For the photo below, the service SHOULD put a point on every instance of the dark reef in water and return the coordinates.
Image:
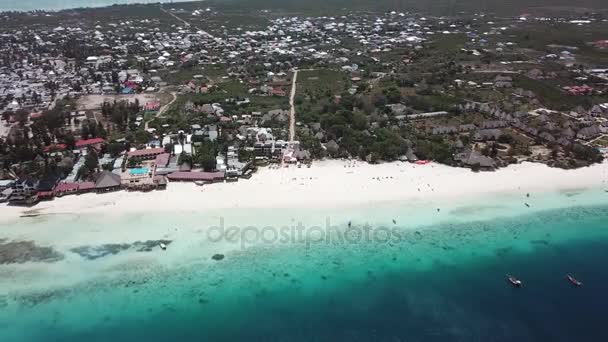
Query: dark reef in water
(17, 252)
(3, 302)
(96, 252)
(41, 297)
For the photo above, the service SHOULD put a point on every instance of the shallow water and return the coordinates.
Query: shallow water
(442, 279)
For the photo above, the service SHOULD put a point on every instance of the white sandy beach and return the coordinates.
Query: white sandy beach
(329, 184)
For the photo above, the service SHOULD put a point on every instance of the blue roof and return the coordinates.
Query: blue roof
(127, 90)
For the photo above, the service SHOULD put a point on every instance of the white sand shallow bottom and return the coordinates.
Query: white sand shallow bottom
(303, 191)
(329, 184)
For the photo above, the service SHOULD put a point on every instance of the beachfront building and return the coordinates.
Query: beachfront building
(235, 168)
(160, 182)
(107, 181)
(63, 189)
(6, 184)
(139, 178)
(85, 187)
(24, 192)
(5, 195)
(192, 176)
(270, 149)
(475, 160)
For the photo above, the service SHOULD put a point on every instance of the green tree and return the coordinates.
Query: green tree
(393, 95)
(184, 158)
(115, 148)
(91, 161)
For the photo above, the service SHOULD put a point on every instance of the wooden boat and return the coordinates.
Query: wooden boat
(514, 281)
(573, 280)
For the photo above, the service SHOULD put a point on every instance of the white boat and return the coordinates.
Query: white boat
(163, 246)
(514, 281)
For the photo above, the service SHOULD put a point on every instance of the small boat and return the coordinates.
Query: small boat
(199, 183)
(527, 205)
(162, 246)
(394, 221)
(349, 224)
(573, 280)
(514, 281)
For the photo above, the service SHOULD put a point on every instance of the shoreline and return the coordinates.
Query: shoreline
(118, 225)
(328, 184)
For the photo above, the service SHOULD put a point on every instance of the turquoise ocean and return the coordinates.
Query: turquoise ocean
(32, 5)
(430, 276)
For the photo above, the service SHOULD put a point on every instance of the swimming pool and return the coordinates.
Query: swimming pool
(139, 171)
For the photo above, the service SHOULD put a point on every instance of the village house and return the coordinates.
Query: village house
(589, 133)
(501, 81)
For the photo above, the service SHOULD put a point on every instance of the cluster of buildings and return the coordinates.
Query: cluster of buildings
(125, 56)
(551, 126)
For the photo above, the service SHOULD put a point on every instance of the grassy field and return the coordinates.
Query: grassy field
(540, 36)
(233, 88)
(321, 81)
(448, 42)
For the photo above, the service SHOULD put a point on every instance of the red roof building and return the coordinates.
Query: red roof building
(579, 90)
(45, 195)
(152, 106)
(278, 92)
(162, 159)
(601, 44)
(147, 153)
(55, 147)
(66, 188)
(86, 186)
(196, 176)
(89, 142)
